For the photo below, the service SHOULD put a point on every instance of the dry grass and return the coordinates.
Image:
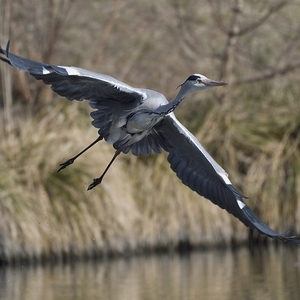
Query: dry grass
(44, 212)
(252, 129)
(140, 205)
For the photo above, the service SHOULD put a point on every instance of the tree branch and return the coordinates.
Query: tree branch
(272, 10)
(268, 74)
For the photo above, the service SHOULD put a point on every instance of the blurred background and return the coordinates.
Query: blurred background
(251, 127)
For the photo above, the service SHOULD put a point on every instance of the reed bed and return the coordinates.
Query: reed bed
(45, 213)
(250, 127)
(141, 205)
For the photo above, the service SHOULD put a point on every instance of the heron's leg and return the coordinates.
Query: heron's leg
(72, 159)
(98, 180)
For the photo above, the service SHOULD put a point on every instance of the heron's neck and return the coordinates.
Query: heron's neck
(171, 106)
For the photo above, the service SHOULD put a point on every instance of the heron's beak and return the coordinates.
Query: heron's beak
(210, 82)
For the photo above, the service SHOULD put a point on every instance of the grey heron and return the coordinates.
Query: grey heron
(141, 121)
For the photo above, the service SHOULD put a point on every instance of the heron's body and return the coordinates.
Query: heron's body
(136, 123)
(142, 121)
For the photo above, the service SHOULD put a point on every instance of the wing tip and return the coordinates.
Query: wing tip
(292, 238)
(289, 238)
(7, 48)
(6, 53)
(256, 223)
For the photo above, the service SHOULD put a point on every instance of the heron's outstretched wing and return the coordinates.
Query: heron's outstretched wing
(111, 98)
(76, 83)
(198, 170)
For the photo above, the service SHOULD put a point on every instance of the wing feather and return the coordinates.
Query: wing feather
(111, 98)
(76, 83)
(198, 170)
(144, 146)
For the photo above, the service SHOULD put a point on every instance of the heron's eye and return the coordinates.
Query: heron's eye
(198, 80)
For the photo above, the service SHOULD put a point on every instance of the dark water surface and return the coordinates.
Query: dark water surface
(263, 273)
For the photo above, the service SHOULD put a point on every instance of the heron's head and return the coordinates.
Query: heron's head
(198, 82)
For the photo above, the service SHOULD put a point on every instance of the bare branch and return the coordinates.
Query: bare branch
(231, 40)
(105, 33)
(268, 74)
(216, 15)
(272, 10)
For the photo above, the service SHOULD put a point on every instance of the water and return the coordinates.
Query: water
(269, 273)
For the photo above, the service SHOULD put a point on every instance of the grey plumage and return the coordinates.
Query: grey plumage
(142, 121)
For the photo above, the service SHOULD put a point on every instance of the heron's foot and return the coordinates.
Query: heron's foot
(66, 163)
(95, 182)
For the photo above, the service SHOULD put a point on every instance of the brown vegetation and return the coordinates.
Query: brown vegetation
(251, 127)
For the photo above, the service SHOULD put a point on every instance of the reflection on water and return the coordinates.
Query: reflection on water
(213, 274)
